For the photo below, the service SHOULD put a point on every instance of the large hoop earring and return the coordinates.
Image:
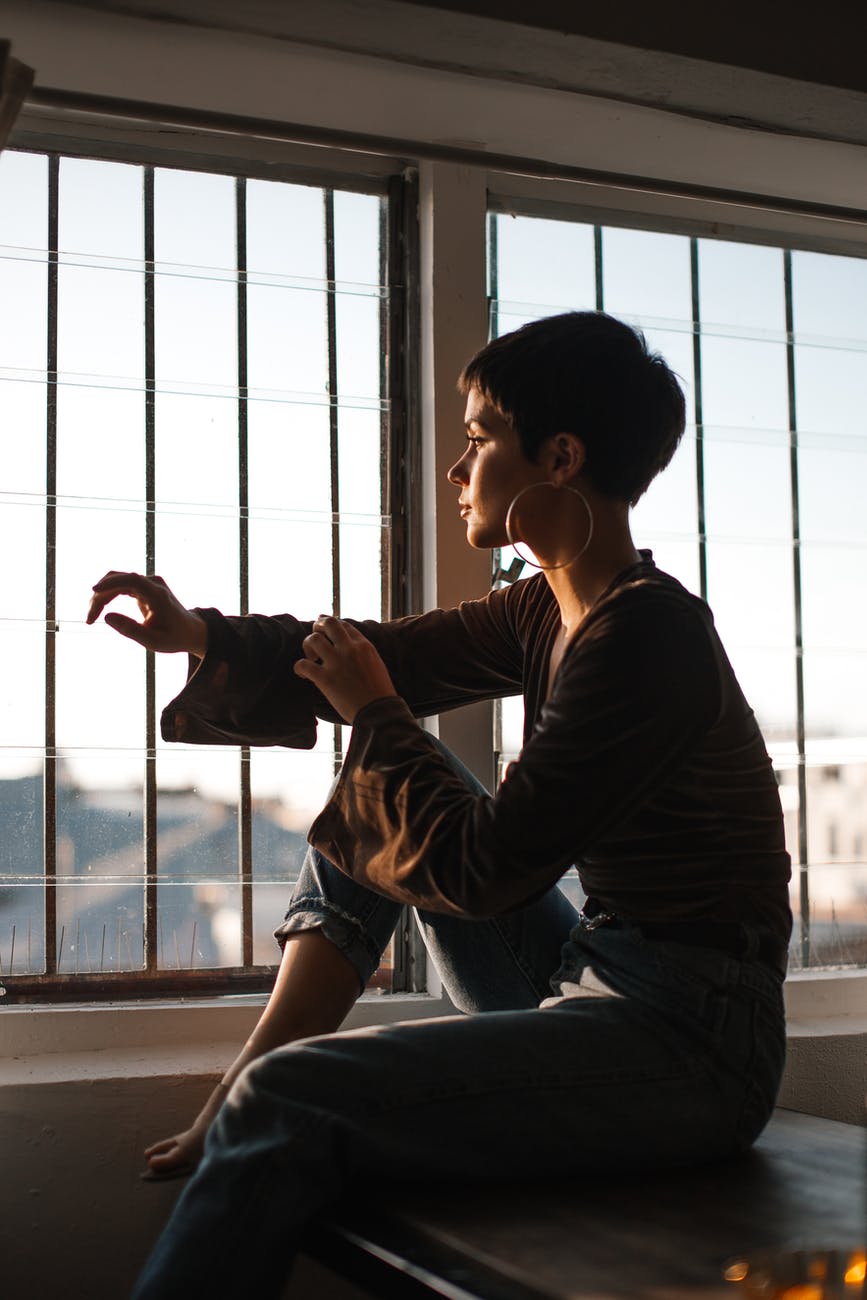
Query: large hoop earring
(516, 542)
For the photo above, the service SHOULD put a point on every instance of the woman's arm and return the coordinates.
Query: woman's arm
(246, 690)
(637, 689)
(242, 689)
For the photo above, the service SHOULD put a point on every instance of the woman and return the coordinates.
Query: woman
(646, 1031)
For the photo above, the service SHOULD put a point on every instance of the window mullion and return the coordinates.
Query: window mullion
(331, 308)
(151, 954)
(698, 417)
(803, 855)
(598, 268)
(52, 957)
(245, 807)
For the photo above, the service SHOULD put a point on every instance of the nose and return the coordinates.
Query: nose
(458, 473)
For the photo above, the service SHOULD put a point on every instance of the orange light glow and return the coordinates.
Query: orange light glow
(857, 1270)
(737, 1271)
(807, 1291)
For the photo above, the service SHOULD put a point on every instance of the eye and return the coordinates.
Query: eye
(474, 440)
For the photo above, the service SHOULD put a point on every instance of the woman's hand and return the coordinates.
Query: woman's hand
(166, 625)
(344, 666)
(176, 1155)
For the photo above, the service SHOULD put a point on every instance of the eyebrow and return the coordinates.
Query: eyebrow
(475, 420)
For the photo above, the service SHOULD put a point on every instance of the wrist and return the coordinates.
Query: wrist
(197, 638)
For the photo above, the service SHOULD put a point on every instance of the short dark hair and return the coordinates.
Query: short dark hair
(585, 373)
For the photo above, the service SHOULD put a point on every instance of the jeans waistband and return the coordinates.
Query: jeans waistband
(731, 937)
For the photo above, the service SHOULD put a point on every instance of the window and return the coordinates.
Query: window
(761, 510)
(195, 381)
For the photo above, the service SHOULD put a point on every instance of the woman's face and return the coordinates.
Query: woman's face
(491, 472)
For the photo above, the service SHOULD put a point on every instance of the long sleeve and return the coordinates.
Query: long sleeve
(638, 687)
(245, 691)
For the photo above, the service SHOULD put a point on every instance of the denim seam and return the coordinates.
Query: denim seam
(693, 1068)
(523, 967)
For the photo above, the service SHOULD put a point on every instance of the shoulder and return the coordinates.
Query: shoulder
(651, 636)
(657, 602)
(527, 603)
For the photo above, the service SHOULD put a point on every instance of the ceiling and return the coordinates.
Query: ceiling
(819, 42)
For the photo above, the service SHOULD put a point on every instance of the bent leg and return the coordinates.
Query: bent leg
(596, 1084)
(501, 964)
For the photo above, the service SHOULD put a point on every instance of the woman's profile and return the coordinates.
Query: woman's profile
(645, 1031)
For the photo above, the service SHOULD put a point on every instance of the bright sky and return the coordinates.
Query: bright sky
(100, 685)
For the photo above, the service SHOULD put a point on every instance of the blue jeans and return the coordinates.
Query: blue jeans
(681, 1065)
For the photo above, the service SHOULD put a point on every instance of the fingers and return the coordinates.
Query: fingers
(337, 630)
(127, 627)
(328, 633)
(161, 1148)
(116, 583)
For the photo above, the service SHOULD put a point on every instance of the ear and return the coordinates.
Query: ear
(565, 456)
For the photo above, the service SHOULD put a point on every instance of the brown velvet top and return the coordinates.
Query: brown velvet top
(645, 766)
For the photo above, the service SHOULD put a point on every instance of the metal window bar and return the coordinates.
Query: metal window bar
(493, 276)
(151, 899)
(333, 418)
(399, 254)
(245, 798)
(803, 865)
(698, 418)
(49, 799)
(598, 270)
(400, 456)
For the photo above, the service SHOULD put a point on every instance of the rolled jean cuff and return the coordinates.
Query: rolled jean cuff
(340, 928)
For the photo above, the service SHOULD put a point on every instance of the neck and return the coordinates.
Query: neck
(579, 585)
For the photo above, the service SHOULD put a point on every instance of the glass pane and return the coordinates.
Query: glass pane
(100, 676)
(666, 517)
(357, 302)
(547, 265)
(829, 296)
(290, 564)
(194, 287)
(21, 900)
(741, 286)
(646, 276)
(100, 862)
(100, 318)
(199, 920)
(837, 837)
(361, 535)
(23, 277)
(286, 232)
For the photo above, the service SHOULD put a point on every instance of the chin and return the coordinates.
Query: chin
(484, 537)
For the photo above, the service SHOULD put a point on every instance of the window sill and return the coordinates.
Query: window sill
(144, 1046)
(148, 1040)
(814, 997)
